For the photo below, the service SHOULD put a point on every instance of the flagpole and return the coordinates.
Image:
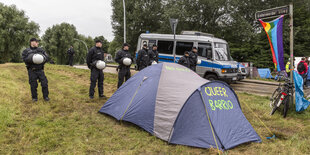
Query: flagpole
(291, 49)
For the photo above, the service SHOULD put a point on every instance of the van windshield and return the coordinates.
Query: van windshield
(221, 52)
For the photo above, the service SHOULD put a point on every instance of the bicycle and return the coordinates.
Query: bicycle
(281, 96)
(281, 76)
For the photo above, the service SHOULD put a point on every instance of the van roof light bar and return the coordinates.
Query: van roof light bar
(196, 33)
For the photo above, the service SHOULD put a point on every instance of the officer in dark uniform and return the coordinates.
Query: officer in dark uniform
(36, 71)
(143, 58)
(193, 55)
(185, 60)
(95, 54)
(70, 53)
(153, 54)
(123, 70)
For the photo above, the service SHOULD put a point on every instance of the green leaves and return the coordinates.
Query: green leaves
(232, 20)
(58, 39)
(15, 32)
(141, 16)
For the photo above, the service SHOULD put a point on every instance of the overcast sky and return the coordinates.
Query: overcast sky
(90, 17)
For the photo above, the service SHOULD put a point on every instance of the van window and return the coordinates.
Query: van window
(205, 50)
(151, 43)
(165, 47)
(183, 46)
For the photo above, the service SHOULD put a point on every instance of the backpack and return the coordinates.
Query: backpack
(301, 67)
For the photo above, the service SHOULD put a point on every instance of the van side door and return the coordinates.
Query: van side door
(165, 50)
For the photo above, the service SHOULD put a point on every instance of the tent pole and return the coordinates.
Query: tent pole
(203, 101)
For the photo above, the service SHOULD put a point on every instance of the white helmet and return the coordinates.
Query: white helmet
(127, 61)
(154, 63)
(198, 61)
(37, 59)
(100, 64)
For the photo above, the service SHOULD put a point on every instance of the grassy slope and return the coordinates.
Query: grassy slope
(70, 123)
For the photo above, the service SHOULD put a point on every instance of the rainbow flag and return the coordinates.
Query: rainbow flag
(274, 33)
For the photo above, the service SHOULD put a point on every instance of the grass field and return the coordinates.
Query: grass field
(70, 122)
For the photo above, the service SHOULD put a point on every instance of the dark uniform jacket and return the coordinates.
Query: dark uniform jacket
(94, 54)
(193, 60)
(27, 58)
(185, 61)
(143, 59)
(70, 52)
(120, 55)
(153, 56)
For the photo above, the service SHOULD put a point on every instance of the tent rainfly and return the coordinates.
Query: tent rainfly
(178, 106)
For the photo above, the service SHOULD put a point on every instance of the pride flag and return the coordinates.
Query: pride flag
(274, 33)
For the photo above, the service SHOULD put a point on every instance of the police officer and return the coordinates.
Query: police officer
(123, 70)
(185, 60)
(95, 54)
(143, 58)
(36, 71)
(193, 55)
(153, 54)
(70, 53)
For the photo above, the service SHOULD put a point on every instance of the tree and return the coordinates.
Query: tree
(57, 41)
(114, 47)
(15, 32)
(248, 39)
(232, 20)
(141, 16)
(81, 49)
(301, 28)
(196, 15)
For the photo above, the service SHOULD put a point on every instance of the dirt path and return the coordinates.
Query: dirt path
(256, 87)
(106, 70)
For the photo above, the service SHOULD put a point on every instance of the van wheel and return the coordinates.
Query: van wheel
(211, 77)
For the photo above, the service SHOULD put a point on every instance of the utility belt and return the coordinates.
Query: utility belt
(35, 68)
(144, 63)
(119, 67)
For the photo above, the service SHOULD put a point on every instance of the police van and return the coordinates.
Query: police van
(216, 61)
(242, 72)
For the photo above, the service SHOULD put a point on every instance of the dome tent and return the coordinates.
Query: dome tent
(176, 105)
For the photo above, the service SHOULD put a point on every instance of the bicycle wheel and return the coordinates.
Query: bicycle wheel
(286, 106)
(275, 95)
(273, 110)
(275, 105)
